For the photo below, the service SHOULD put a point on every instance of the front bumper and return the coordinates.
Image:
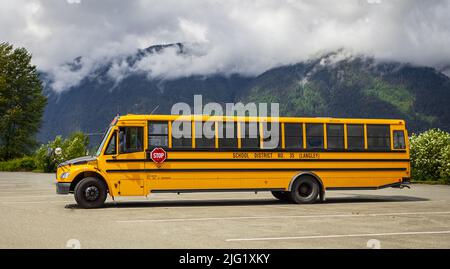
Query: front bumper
(62, 188)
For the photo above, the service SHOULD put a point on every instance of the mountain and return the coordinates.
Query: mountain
(333, 85)
(357, 87)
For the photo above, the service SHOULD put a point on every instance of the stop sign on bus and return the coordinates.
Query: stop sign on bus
(158, 155)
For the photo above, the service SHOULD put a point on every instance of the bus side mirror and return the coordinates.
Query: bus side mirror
(58, 151)
(50, 151)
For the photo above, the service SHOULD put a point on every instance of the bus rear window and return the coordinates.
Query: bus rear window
(399, 140)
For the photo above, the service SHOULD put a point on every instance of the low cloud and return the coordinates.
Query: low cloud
(233, 36)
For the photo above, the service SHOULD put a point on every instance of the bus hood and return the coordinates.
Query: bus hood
(80, 160)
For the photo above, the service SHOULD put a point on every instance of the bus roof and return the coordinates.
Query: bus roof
(133, 117)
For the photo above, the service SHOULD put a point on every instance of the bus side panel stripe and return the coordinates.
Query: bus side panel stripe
(263, 160)
(253, 170)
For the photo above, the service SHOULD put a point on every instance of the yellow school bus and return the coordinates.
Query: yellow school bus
(140, 155)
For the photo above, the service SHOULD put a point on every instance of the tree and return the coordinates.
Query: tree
(21, 102)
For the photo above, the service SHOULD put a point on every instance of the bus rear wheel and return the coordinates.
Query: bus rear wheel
(281, 195)
(90, 192)
(305, 190)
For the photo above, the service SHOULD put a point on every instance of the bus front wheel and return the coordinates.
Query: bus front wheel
(281, 195)
(305, 190)
(90, 192)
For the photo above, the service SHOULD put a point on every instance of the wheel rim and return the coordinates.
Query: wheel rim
(305, 190)
(92, 193)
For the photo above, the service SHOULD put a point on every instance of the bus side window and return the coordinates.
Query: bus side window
(131, 139)
(335, 136)
(355, 136)
(314, 136)
(293, 135)
(205, 135)
(111, 149)
(157, 134)
(271, 135)
(228, 135)
(399, 140)
(378, 137)
(250, 135)
(181, 135)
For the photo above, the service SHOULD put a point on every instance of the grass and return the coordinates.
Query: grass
(430, 182)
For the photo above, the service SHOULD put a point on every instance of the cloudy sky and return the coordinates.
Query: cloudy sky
(229, 36)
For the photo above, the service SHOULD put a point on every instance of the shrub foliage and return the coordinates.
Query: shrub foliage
(430, 156)
(21, 164)
(74, 146)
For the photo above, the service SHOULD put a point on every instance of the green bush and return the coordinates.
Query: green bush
(430, 156)
(74, 146)
(22, 164)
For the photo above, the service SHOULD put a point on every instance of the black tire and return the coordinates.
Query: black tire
(281, 195)
(90, 192)
(305, 190)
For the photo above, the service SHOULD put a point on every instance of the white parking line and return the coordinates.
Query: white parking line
(32, 202)
(32, 191)
(295, 206)
(335, 236)
(285, 217)
(32, 196)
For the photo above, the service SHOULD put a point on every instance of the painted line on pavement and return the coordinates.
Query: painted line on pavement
(335, 236)
(286, 217)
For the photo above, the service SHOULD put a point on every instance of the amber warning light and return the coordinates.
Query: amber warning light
(114, 121)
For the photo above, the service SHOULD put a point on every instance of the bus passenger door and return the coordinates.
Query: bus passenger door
(158, 137)
(126, 168)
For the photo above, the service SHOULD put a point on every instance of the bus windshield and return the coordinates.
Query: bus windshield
(105, 136)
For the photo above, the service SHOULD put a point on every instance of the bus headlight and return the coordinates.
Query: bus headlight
(65, 175)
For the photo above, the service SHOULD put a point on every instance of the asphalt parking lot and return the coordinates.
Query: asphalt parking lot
(33, 216)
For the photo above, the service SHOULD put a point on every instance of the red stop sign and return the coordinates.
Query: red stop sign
(158, 155)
